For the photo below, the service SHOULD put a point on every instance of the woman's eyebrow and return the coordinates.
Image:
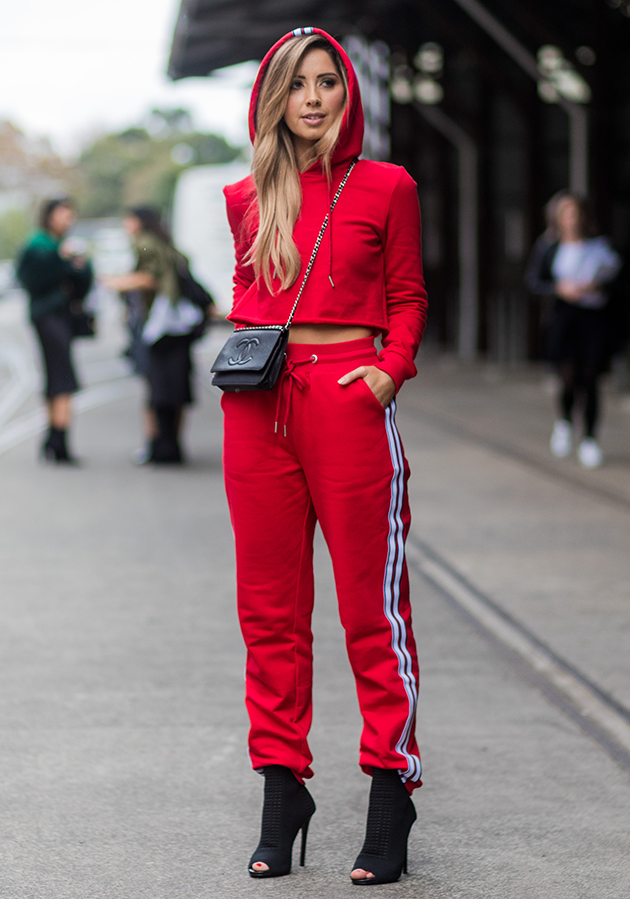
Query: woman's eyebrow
(321, 75)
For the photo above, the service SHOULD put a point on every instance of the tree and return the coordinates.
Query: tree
(14, 227)
(163, 122)
(29, 171)
(134, 166)
(141, 166)
(29, 165)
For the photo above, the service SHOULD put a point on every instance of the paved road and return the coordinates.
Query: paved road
(123, 769)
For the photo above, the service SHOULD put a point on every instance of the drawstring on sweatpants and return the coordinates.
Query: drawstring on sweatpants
(290, 376)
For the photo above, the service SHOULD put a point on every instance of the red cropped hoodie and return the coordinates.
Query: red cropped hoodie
(372, 252)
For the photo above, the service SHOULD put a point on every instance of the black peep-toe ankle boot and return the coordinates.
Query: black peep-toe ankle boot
(287, 809)
(391, 814)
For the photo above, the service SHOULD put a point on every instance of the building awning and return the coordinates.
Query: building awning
(211, 34)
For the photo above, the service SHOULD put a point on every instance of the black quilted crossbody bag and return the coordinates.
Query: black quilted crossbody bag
(251, 358)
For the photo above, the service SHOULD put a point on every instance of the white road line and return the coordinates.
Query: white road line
(581, 697)
(22, 379)
(35, 422)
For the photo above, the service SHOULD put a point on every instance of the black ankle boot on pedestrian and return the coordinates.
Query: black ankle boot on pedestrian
(390, 816)
(287, 809)
(55, 447)
(165, 448)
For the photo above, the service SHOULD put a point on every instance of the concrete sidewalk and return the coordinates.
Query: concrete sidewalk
(547, 539)
(123, 769)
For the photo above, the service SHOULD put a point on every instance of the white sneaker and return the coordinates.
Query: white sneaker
(141, 456)
(589, 453)
(561, 438)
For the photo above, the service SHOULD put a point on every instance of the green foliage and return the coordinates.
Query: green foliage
(170, 121)
(137, 166)
(14, 229)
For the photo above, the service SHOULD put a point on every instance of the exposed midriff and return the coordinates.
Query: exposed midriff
(327, 333)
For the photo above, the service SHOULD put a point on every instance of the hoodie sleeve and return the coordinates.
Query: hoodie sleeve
(244, 275)
(405, 292)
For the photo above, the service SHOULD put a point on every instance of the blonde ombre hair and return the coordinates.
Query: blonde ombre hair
(274, 164)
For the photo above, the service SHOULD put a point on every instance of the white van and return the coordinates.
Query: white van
(200, 226)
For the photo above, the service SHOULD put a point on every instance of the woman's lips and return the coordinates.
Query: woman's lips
(313, 119)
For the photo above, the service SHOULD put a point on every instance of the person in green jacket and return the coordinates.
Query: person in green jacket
(54, 278)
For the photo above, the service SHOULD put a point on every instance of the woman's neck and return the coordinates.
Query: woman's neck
(303, 150)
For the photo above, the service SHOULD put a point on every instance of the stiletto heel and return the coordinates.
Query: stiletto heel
(391, 814)
(303, 846)
(288, 808)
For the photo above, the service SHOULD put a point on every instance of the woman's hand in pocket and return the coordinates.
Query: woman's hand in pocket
(380, 383)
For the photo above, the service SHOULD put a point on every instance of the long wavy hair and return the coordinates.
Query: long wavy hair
(274, 164)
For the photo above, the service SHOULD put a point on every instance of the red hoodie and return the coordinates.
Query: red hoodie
(372, 251)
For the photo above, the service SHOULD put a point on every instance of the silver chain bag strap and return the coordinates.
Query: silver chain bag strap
(251, 358)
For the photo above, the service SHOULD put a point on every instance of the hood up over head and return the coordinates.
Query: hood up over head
(350, 140)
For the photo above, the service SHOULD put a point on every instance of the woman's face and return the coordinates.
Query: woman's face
(132, 224)
(569, 220)
(316, 98)
(60, 221)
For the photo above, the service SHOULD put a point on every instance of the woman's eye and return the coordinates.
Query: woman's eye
(296, 85)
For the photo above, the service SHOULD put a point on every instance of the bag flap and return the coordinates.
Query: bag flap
(248, 349)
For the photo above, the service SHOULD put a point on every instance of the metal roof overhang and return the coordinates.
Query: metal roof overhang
(211, 34)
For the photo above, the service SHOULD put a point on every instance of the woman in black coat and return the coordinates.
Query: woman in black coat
(165, 323)
(54, 279)
(575, 266)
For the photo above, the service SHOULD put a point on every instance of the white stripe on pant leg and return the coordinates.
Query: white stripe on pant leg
(391, 591)
(399, 632)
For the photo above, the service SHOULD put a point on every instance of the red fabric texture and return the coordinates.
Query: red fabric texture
(341, 463)
(373, 249)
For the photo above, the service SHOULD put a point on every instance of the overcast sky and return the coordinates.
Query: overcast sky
(70, 68)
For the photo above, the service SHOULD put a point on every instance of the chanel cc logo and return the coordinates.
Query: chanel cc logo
(244, 346)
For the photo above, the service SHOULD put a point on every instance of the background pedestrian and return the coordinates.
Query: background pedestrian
(56, 279)
(577, 269)
(163, 328)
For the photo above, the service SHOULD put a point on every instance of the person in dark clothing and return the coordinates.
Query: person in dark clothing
(575, 267)
(164, 326)
(533, 273)
(54, 279)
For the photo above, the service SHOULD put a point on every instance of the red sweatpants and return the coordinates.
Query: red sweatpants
(311, 450)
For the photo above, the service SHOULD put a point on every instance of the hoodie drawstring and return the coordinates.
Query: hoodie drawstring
(290, 377)
(330, 234)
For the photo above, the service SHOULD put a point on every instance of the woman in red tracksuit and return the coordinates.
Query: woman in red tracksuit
(323, 444)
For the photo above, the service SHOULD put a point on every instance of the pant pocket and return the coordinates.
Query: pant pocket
(365, 388)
